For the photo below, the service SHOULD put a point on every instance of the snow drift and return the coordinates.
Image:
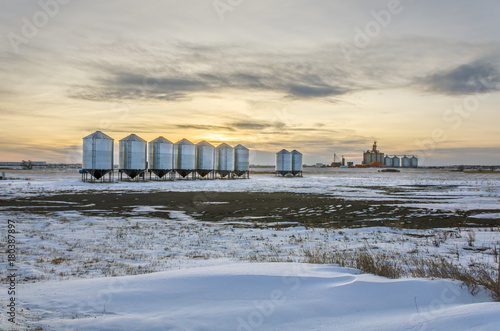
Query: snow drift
(258, 296)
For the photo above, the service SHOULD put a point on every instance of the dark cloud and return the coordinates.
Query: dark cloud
(203, 127)
(310, 91)
(191, 69)
(185, 69)
(259, 127)
(263, 128)
(247, 80)
(125, 85)
(478, 77)
(160, 83)
(256, 125)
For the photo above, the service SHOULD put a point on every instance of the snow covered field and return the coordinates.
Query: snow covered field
(434, 188)
(138, 270)
(68, 245)
(254, 296)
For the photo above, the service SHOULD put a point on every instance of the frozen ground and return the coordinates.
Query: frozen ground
(430, 188)
(68, 245)
(254, 296)
(82, 269)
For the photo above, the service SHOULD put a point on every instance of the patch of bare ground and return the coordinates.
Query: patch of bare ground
(310, 210)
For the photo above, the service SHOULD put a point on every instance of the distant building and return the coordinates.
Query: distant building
(370, 157)
(337, 162)
(24, 164)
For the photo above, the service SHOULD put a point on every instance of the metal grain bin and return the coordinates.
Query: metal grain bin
(133, 153)
(241, 160)
(414, 162)
(204, 158)
(283, 162)
(161, 156)
(184, 157)
(296, 162)
(97, 155)
(396, 162)
(224, 160)
(406, 162)
(388, 161)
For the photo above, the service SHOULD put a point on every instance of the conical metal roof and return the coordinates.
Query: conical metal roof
(161, 139)
(184, 142)
(240, 146)
(204, 143)
(283, 151)
(224, 146)
(296, 152)
(98, 135)
(132, 137)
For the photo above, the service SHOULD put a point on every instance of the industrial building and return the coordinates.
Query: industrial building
(396, 162)
(205, 159)
(388, 161)
(296, 163)
(288, 163)
(241, 161)
(133, 157)
(283, 163)
(337, 163)
(414, 162)
(224, 161)
(373, 158)
(97, 158)
(185, 158)
(404, 162)
(164, 161)
(161, 156)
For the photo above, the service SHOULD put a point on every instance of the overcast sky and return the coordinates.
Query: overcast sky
(420, 77)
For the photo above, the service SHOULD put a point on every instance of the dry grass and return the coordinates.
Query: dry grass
(378, 264)
(58, 260)
(397, 266)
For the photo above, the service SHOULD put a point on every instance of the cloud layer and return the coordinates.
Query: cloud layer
(271, 73)
(476, 77)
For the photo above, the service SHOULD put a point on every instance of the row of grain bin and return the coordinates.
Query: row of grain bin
(288, 163)
(166, 159)
(97, 158)
(405, 162)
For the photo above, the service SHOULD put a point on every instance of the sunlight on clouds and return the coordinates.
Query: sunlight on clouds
(266, 83)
